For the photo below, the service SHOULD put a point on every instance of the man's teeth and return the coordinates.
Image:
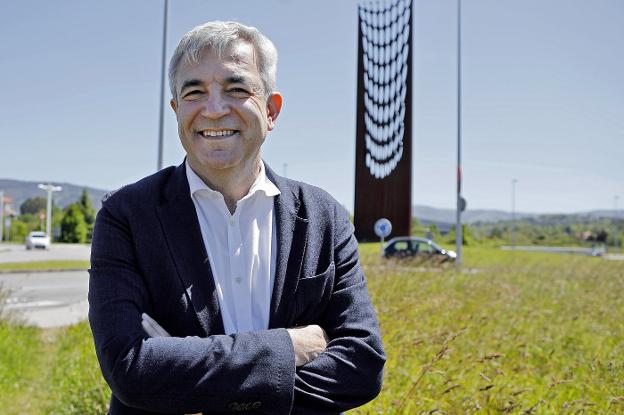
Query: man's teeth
(222, 133)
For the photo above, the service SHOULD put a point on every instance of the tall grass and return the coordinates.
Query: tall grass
(515, 333)
(20, 353)
(512, 333)
(75, 385)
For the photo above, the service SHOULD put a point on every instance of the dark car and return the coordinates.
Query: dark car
(411, 246)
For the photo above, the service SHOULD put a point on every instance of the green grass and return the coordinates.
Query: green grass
(20, 361)
(52, 371)
(514, 333)
(43, 266)
(75, 385)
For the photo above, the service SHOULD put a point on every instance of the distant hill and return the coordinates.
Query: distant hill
(445, 218)
(429, 215)
(19, 191)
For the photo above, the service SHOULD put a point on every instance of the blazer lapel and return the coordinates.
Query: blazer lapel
(181, 228)
(292, 235)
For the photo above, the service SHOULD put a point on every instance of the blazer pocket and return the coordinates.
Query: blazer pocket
(312, 295)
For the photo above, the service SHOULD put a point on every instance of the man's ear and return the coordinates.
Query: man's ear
(274, 106)
(174, 105)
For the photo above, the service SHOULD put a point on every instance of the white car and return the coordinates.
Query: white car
(37, 240)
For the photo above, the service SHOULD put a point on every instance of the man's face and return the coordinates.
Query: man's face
(222, 112)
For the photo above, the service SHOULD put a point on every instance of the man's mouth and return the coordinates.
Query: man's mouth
(217, 133)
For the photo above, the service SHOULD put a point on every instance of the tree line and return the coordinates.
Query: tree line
(72, 224)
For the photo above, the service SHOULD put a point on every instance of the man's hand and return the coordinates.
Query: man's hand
(152, 328)
(308, 342)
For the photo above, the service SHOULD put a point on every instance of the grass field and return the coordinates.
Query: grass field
(43, 266)
(514, 332)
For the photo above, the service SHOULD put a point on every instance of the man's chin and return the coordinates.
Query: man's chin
(215, 163)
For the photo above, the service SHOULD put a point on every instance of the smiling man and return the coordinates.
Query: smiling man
(218, 286)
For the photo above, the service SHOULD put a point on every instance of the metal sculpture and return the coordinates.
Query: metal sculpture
(384, 107)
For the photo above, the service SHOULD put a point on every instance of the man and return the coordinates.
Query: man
(219, 286)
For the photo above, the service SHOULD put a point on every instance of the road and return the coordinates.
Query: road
(47, 299)
(19, 253)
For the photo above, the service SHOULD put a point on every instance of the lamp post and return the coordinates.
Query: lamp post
(460, 203)
(616, 241)
(50, 189)
(1, 215)
(161, 118)
(513, 213)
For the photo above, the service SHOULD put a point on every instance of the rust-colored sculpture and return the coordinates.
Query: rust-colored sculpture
(383, 171)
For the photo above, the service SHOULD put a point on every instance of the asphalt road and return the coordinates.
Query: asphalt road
(19, 253)
(47, 299)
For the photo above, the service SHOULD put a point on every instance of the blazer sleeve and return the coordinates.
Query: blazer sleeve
(349, 372)
(253, 371)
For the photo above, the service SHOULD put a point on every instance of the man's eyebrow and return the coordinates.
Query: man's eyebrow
(191, 82)
(236, 79)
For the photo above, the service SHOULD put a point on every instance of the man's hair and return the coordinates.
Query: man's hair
(218, 37)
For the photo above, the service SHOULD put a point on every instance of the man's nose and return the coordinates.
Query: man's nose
(215, 107)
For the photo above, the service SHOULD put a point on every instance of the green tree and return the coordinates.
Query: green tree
(86, 207)
(73, 225)
(18, 231)
(33, 205)
(467, 238)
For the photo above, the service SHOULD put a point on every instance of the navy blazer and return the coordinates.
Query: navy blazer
(148, 256)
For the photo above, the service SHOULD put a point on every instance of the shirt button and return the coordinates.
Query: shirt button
(232, 222)
(238, 280)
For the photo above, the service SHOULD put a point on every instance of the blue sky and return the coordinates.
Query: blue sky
(543, 95)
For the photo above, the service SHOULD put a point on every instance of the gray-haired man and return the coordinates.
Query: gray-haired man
(217, 285)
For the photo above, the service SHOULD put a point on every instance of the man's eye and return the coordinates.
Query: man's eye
(191, 94)
(238, 91)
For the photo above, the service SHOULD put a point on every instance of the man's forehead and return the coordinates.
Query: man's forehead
(239, 57)
(239, 53)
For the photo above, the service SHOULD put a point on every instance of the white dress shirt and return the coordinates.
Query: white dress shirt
(241, 248)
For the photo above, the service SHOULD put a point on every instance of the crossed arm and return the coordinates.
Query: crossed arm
(308, 341)
(291, 370)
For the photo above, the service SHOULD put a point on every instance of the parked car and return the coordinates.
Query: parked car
(37, 240)
(410, 246)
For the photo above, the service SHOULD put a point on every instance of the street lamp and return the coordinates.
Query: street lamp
(1, 215)
(513, 212)
(616, 241)
(161, 112)
(461, 203)
(50, 189)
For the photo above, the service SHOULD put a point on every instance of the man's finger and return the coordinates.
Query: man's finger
(161, 332)
(152, 328)
(148, 329)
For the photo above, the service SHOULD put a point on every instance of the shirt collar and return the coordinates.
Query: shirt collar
(261, 184)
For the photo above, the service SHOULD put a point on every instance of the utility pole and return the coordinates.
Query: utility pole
(50, 189)
(460, 202)
(615, 218)
(1, 215)
(161, 118)
(513, 213)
